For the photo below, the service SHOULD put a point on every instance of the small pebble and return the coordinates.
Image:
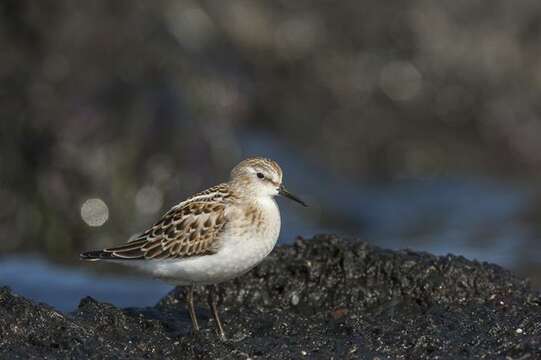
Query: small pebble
(295, 299)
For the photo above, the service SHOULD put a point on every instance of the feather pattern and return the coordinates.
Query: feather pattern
(191, 228)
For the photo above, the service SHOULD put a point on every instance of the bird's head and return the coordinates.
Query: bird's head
(260, 177)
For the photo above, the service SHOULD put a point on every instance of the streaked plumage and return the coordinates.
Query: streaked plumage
(188, 229)
(213, 236)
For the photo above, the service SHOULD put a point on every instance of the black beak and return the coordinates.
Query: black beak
(283, 191)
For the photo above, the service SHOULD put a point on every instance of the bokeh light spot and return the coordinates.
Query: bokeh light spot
(149, 200)
(94, 212)
(400, 80)
(190, 24)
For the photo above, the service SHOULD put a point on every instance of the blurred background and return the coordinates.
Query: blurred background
(408, 124)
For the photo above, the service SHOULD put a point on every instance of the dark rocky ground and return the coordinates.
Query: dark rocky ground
(321, 298)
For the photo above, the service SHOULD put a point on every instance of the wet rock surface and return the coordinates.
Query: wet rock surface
(320, 298)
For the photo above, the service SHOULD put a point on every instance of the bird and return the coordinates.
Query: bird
(213, 236)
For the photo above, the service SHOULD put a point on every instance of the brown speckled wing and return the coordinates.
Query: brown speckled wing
(192, 228)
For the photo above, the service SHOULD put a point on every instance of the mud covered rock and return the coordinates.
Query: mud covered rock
(320, 298)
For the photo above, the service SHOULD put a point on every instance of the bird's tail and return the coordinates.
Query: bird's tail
(96, 255)
(133, 250)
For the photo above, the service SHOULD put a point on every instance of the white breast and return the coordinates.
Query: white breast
(244, 245)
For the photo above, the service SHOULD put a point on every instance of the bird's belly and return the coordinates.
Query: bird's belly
(232, 260)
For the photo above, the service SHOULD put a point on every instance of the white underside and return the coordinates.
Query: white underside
(238, 254)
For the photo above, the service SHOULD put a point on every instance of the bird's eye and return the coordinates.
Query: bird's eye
(260, 175)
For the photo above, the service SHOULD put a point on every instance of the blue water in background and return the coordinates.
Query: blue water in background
(63, 287)
(478, 218)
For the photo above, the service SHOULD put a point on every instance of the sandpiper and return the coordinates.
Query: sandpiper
(213, 236)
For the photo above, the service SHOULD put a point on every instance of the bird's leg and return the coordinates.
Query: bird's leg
(213, 304)
(191, 310)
